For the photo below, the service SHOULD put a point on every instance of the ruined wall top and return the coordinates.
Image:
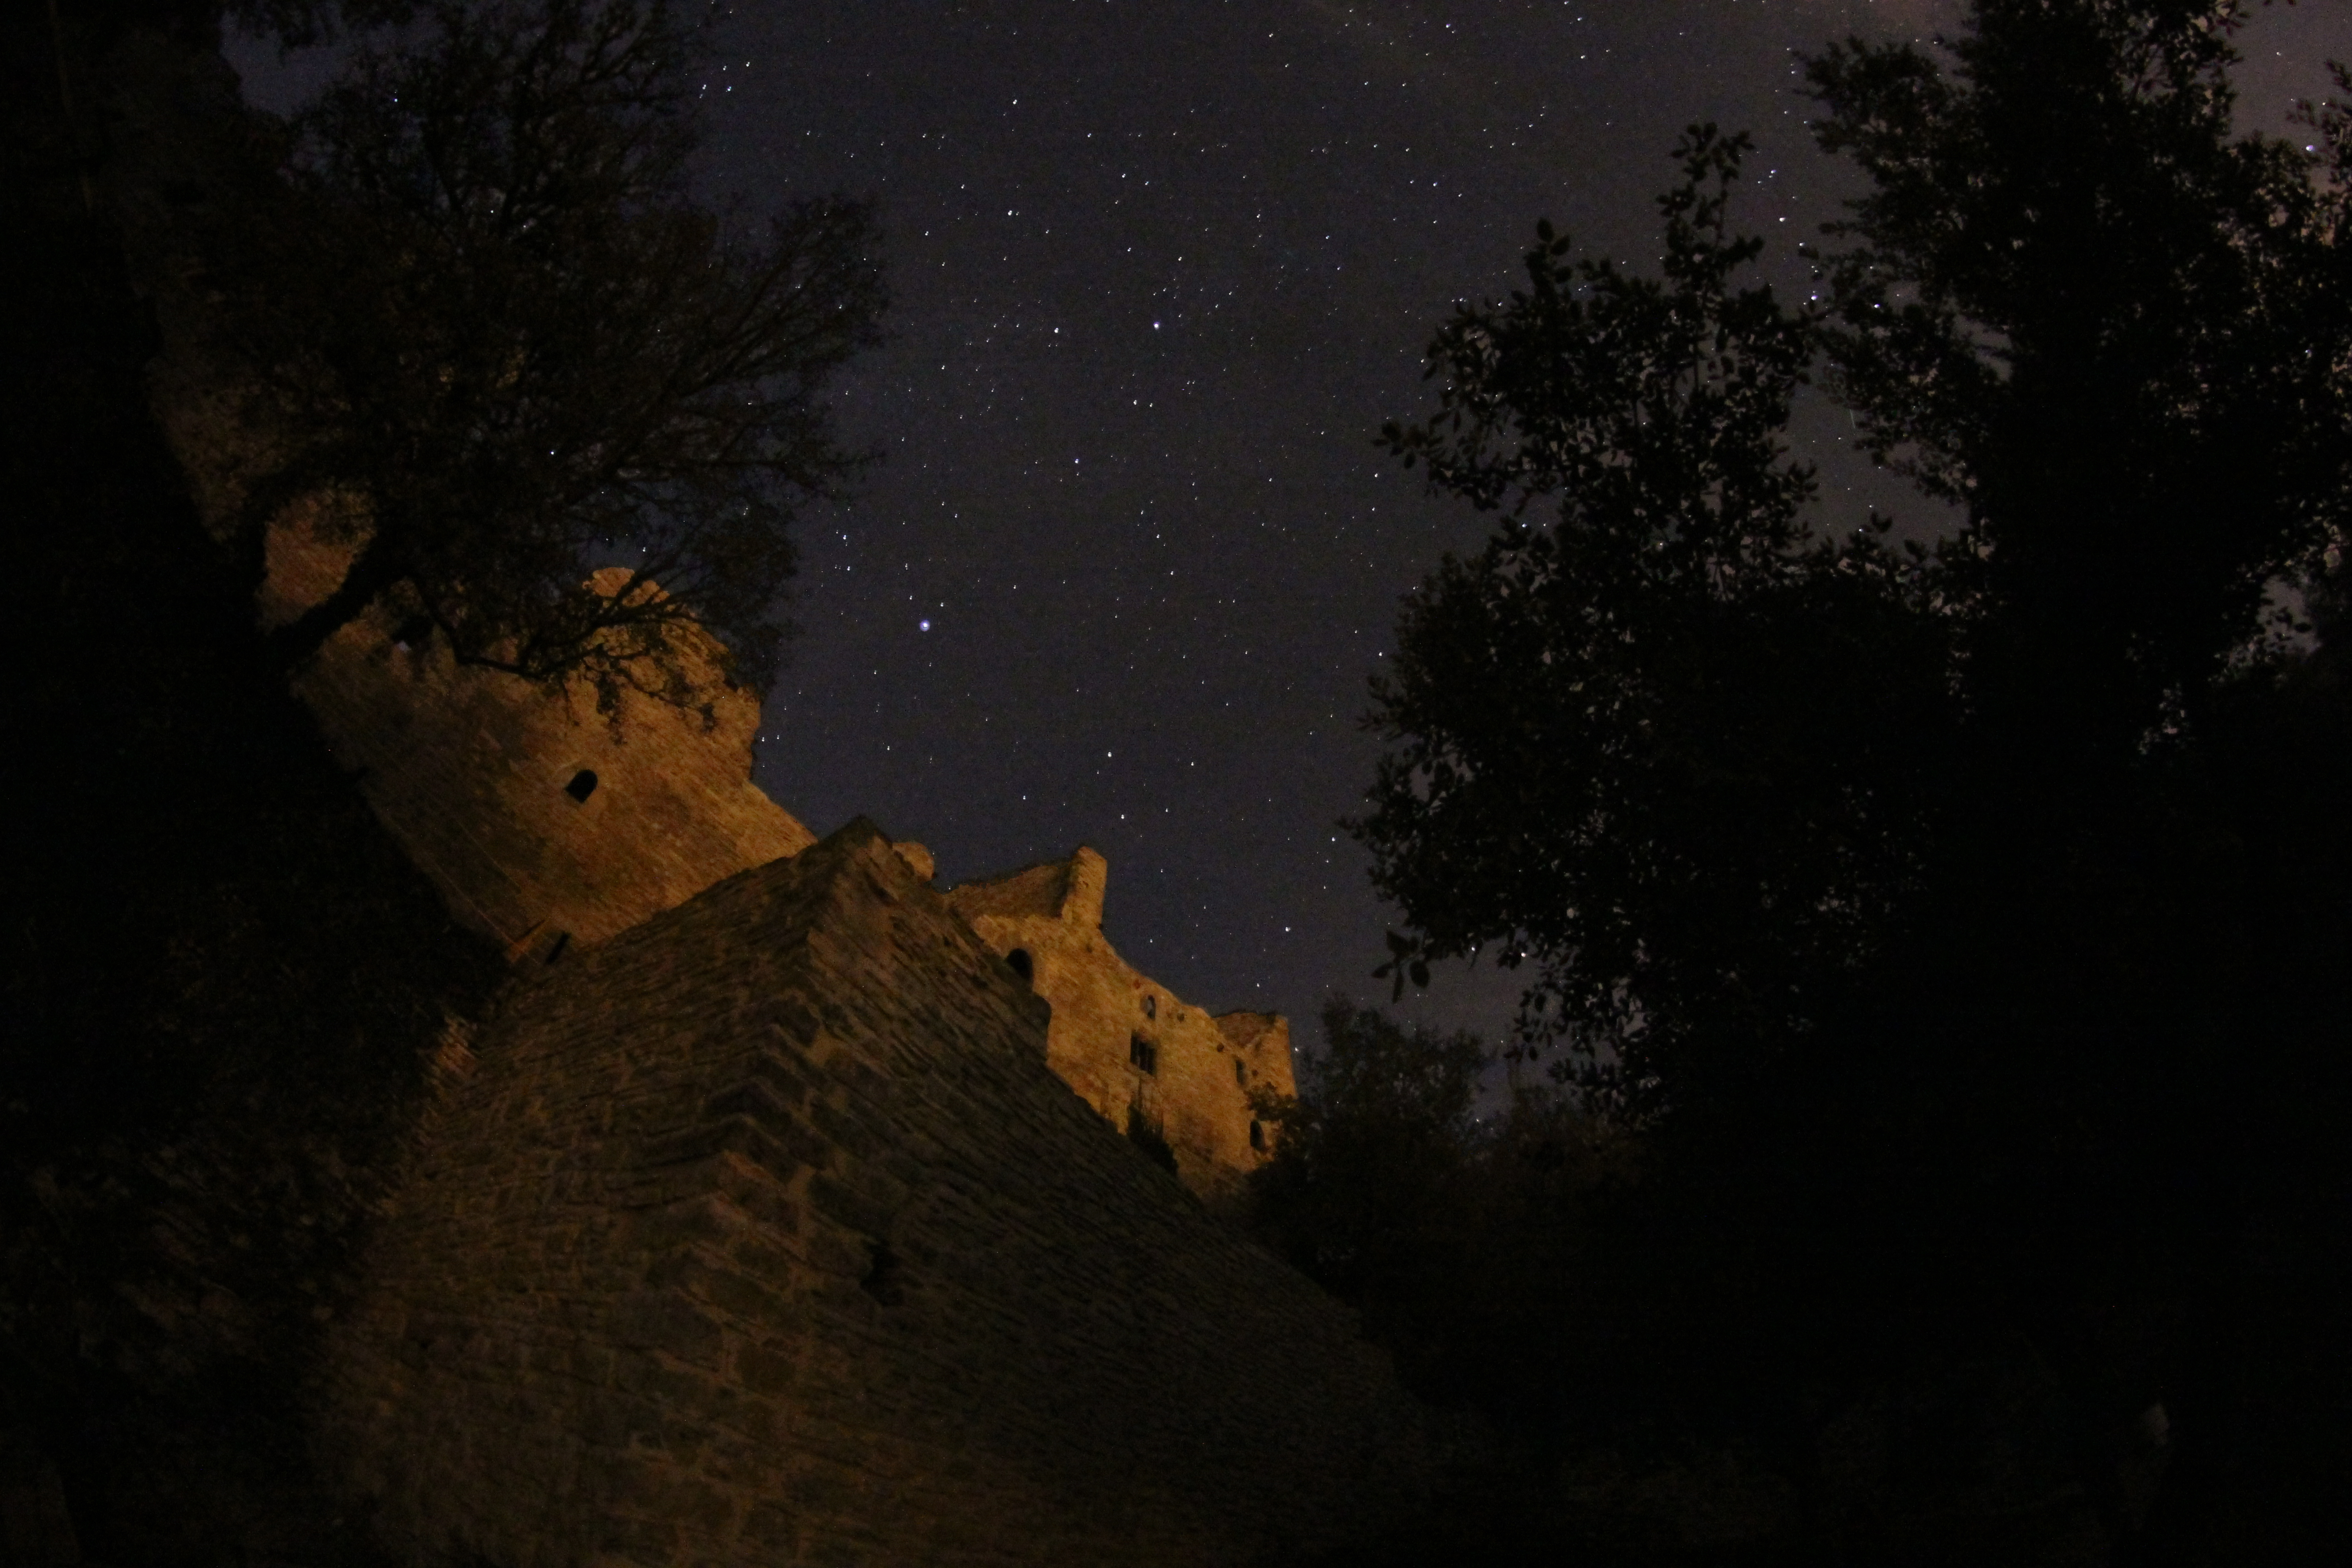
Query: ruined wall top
(1069, 890)
(1132, 1048)
(543, 822)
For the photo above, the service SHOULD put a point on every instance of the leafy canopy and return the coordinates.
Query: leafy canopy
(1705, 763)
(1367, 1155)
(1631, 740)
(2075, 305)
(487, 319)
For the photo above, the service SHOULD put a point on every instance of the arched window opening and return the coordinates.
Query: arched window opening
(1241, 1073)
(1022, 966)
(1257, 1136)
(1152, 1006)
(583, 785)
(1141, 1053)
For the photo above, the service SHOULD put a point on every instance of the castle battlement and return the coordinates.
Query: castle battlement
(1124, 1041)
(758, 1223)
(548, 826)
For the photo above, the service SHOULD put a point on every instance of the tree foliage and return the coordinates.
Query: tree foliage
(1662, 741)
(488, 322)
(1698, 757)
(1366, 1151)
(1456, 1234)
(1952, 920)
(2075, 304)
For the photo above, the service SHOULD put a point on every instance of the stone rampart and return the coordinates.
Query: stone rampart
(1122, 1040)
(543, 822)
(763, 1234)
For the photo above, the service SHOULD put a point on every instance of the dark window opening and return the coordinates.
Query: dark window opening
(413, 632)
(1146, 1135)
(1241, 1073)
(883, 1280)
(1022, 964)
(1152, 1006)
(555, 949)
(583, 785)
(1257, 1136)
(1142, 1053)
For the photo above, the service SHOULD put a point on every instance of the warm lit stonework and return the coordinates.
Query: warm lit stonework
(759, 1223)
(769, 1216)
(543, 823)
(548, 826)
(1121, 1039)
(761, 1236)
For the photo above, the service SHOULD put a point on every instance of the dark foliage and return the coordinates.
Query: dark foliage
(2074, 305)
(494, 339)
(1665, 746)
(1952, 924)
(222, 981)
(1360, 1187)
(1458, 1237)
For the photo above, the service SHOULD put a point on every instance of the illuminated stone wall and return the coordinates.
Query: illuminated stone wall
(542, 821)
(1121, 1039)
(762, 1233)
(547, 826)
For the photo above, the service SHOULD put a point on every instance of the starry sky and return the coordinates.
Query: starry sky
(1160, 270)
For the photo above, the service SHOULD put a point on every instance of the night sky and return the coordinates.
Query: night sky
(1160, 268)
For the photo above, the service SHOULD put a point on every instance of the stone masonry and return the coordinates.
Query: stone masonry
(542, 821)
(757, 1226)
(546, 825)
(762, 1233)
(1124, 1041)
(485, 780)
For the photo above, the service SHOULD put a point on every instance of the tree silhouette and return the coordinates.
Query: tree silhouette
(2073, 304)
(1948, 917)
(1664, 744)
(1695, 758)
(500, 346)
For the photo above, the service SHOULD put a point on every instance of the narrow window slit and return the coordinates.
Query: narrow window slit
(884, 1277)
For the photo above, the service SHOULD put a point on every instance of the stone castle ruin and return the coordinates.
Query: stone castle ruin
(783, 1212)
(1122, 1041)
(545, 825)
(763, 1234)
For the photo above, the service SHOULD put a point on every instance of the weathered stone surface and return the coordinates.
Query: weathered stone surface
(1193, 1080)
(540, 819)
(762, 1233)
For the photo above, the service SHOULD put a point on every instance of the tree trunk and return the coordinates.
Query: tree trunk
(377, 569)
